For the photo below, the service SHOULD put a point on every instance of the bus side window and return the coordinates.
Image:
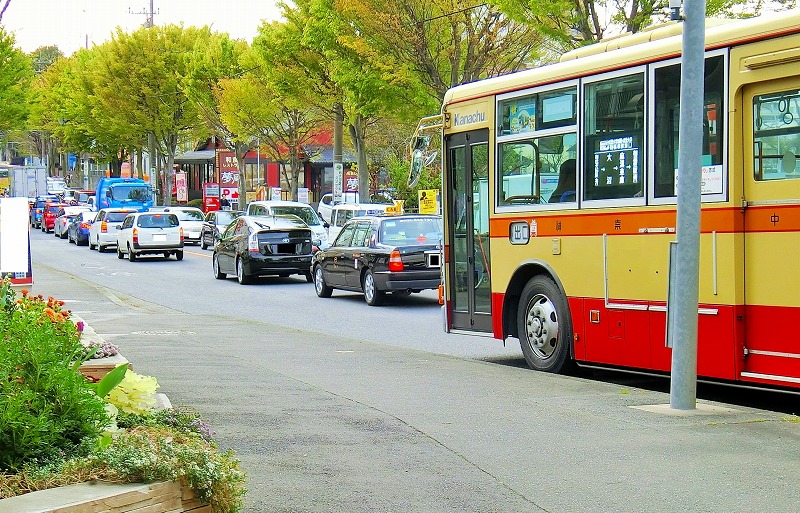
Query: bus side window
(667, 112)
(776, 135)
(614, 134)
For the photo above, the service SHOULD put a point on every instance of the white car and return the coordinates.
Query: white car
(344, 212)
(191, 219)
(103, 232)
(150, 233)
(319, 228)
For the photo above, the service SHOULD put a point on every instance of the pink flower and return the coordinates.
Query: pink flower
(79, 325)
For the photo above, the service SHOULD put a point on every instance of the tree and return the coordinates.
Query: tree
(206, 70)
(443, 42)
(16, 72)
(44, 57)
(249, 105)
(139, 88)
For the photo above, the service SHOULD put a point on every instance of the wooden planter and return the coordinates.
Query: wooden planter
(99, 497)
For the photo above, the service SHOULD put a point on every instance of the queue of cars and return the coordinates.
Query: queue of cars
(373, 253)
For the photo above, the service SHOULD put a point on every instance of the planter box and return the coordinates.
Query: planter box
(96, 368)
(97, 497)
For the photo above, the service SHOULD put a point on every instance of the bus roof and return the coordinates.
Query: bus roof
(658, 43)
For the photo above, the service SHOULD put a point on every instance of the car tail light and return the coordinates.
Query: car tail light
(180, 230)
(395, 262)
(135, 236)
(252, 243)
(86, 226)
(104, 227)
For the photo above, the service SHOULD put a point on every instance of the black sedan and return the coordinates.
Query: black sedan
(379, 254)
(253, 246)
(214, 224)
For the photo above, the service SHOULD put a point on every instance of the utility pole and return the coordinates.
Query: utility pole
(150, 15)
(683, 317)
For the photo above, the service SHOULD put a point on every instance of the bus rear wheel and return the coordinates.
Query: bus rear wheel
(543, 325)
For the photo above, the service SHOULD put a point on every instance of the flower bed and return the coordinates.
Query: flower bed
(59, 428)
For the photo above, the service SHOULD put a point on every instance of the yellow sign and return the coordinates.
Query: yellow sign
(427, 201)
(397, 208)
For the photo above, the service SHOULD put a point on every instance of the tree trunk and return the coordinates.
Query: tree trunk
(358, 136)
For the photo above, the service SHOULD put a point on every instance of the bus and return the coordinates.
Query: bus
(560, 200)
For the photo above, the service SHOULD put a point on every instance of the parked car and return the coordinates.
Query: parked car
(319, 228)
(103, 232)
(37, 208)
(214, 224)
(78, 229)
(150, 233)
(262, 246)
(191, 219)
(344, 212)
(65, 214)
(380, 254)
(50, 214)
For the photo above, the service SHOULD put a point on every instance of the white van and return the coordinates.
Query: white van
(301, 210)
(344, 212)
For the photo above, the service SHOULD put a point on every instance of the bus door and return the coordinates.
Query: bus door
(468, 211)
(772, 231)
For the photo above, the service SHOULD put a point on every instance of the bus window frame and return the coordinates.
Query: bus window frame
(651, 106)
(635, 201)
(535, 134)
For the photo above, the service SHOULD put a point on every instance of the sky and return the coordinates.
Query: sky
(70, 24)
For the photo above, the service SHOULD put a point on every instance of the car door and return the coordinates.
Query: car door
(226, 248)
(332, 266)
(357, 256)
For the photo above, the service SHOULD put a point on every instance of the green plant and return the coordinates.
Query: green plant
(198, 202)
(47, 408)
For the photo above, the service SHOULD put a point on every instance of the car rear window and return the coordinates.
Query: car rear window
(408, 232)
(189, 215)
(158, 221)
(116, 217)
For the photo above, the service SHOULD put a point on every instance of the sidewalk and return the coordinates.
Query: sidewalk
(325, 424)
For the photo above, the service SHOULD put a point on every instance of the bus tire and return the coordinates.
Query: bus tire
(543, 326)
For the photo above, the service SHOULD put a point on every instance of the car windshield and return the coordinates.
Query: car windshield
(116, 217)
(408, 232)
(158, 221)
(226, 217)
(87, 216)
(188, 215)
(123, 192)
(306, 213)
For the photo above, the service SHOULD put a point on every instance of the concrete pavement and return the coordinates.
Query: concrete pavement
(332, 424)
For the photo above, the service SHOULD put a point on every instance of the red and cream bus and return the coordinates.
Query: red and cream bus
(560, 203)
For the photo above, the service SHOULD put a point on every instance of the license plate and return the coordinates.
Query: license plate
(160, 237)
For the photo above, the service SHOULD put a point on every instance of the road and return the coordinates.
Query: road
(394, 417)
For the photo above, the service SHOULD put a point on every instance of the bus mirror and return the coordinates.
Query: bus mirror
(419, 158)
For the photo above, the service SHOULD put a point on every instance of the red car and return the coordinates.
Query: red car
(51, 212)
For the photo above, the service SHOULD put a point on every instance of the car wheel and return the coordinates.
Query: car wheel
(63, 235)
(91, 246)
(241, 276)
(543, 326)
(179, 255)
(131, 255)
(203, 244)
(322, 289)
(100, 248)
(215, 265)
(120, 254)
(309, 277)
(373, 296)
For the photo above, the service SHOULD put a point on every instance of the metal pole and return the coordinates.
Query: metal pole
(683, 385)
(338, 124)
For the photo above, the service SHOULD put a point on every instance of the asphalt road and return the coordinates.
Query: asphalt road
(328, 415)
